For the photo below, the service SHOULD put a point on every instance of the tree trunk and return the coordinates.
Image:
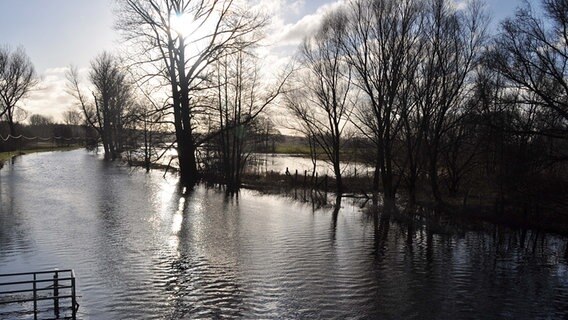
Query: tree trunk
(434, 178)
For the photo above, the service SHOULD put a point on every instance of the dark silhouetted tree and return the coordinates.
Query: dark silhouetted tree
(178, 41)
(17, 78)
(111, 100)
(321, 104)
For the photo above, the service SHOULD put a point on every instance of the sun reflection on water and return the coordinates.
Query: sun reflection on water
(178, 217)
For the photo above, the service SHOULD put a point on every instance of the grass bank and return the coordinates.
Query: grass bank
(6, 156)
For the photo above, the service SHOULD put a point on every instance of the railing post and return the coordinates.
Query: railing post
(35, 297)
(73, 297)
(56, 294)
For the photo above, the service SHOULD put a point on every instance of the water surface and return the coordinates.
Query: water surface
(143, 250)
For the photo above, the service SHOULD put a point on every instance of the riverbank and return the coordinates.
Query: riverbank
(7, 156)
(480, 203)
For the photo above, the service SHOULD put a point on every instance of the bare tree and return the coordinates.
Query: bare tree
(39, 120)
(17, 78)
(454, 43)
(382, 45)
(240, 97)
(179, 40)
(73, 117)
(111, 99)
(322, 104)
(532, 54)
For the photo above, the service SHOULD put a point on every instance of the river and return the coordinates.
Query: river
(142, 250)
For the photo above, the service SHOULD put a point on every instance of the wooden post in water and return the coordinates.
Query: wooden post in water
(296, 185)
(56, 294)
(316, 181)
(305, 179)
(325, 188)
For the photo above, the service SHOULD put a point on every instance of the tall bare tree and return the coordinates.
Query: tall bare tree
(17, 78)
(179, 40)
(111, 99)
(322, 104)
(383, 47)
(454, 44)
(241, 95)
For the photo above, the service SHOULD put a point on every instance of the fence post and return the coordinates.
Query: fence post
(315, 185)
(325, 187)
(35, 298)
(56, 294)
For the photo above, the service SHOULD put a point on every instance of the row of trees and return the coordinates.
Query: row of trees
(194, 69)
(433, 93)
(437, 99)
(422, 81)
(400, 71)
(17, 79)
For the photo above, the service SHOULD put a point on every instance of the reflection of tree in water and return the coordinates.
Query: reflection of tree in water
(335, 213)
(463, 266)
(14, 231)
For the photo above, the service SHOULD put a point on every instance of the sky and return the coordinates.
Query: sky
(60, 33)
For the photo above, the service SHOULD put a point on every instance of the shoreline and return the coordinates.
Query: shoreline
(9, 155)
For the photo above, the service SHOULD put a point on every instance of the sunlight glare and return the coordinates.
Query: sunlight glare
(196, 32)
(178, 217)
(182, 24)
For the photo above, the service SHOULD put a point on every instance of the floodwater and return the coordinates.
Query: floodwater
(278, 163)
(142, 250)
(262, 163)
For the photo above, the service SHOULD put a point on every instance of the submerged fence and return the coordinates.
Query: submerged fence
(39, 294)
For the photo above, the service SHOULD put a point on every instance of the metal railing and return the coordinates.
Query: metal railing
(20, 292)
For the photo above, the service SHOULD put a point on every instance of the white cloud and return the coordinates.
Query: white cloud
(50, 97)
(297, 6)
(293, 33)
